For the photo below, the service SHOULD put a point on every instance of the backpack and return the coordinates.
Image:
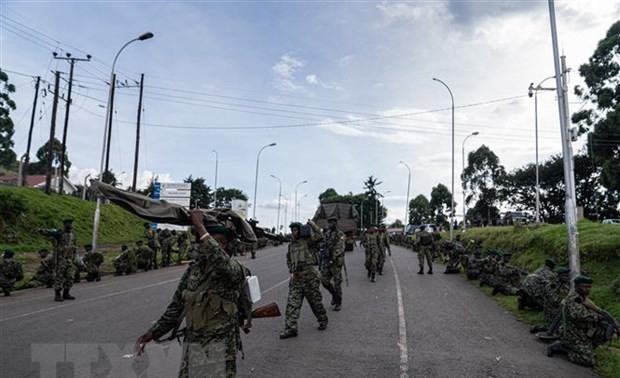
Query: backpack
(426, 239)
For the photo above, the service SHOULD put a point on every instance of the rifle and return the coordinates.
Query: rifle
(270, 310)
(346, 275)
(613, 325)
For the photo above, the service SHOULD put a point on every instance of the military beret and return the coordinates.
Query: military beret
(582, 280)
(88, 246)
(146, 224)
(295, 225)
(507, 255)
(67, 220)
(8, 253)
(139, 242)
(43, 250)
(124, 247)
(332, 219)
(562, 270)
(550, 263)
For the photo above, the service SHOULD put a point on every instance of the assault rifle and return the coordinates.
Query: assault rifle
(612, 323)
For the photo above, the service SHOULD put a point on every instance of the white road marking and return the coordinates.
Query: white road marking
(276, 286)
(89, 300)
(402, 328)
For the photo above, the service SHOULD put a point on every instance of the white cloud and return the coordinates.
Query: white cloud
(284, 73)
(414, 13)
(345, 60)
(314, 80)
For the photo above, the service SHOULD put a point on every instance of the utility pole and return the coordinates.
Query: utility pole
(135, 160)
(570, 205)
(67, 109)
(110, 112)
(50, 147)
(34, 112)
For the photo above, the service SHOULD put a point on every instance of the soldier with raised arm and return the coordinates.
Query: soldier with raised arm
(65, 247)
(331, 272)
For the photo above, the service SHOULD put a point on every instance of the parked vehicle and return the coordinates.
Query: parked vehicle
(515, 217)
(611, 221)
(428, 227)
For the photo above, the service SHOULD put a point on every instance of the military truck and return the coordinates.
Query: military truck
(347, 219)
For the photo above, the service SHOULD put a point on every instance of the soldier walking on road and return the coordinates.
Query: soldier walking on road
(384, 243)
(302, 261)
(151, 241)
(425, 243)
(331, 272)
(65, 248)
(10, 272)
(373, 247)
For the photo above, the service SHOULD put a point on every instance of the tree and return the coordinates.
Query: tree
(225, 196)
(329, 196)
(420, 210)
(397, 224)
(40, 167)
(7, 129)
(148, 191)
(370, 185)
(201, 195)
(602, 119)
(483, 177)
(440, 204)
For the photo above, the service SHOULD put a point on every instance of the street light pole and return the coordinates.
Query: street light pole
(407, 203)
(452, 204)
(108, 119)
(256, 178)
(279, 198)
(295, 209)
(534, 91)
(464, 210)
(299, 206)
(215, 182)
(382, 202)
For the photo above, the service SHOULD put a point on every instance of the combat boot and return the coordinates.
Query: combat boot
(66, 295)
(322, 326)
(556, 348)
(421, 271)
(430, 271)
(57, 296)
(372, 277)
(289, 333)
(337, 303)
(7, 292)
(381, 271)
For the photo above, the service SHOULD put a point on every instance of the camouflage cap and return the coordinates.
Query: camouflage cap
(582, 280)
(296, 225)
(562, 270)
(67, 220)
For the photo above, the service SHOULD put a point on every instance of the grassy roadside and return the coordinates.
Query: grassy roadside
(600, 258)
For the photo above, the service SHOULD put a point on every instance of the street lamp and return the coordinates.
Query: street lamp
(299, 206)
(215, 182)
(533, 91)
(279, 198)
(407, 203)
(256, 179)
(296, 187)
(107, 132)
(464, 140)
(452, 204)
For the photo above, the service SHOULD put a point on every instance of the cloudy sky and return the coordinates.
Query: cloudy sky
(344, 88)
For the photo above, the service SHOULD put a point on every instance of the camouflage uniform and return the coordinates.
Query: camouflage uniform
(151, 241)
(144, 257)
(65, 248)
(384, 243)
(487, 273)
(456, 250)
(10, 272)
(302, 261)
(332, 268)
(165, 240)
(372, 254)
(583, 331)
(207, 298)
(126, 262)
(555, 292)
(44, 276)
(507, 277)
(425, 250)
(183, 244)
(92, 261)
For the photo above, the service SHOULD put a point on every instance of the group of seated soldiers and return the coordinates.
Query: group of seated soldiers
(573, 323)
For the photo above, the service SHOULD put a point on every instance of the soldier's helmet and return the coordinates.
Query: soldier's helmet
(296, 225)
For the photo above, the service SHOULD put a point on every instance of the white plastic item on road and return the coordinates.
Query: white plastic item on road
(252, 289)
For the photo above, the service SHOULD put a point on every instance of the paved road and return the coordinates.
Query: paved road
(404, 325)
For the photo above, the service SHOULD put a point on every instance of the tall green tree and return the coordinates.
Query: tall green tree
(201, 195)
(7, 129)
(482, 178)
(374, 204)
(226, 195)
(330, 195)
(420, 210)
(40, 167)
(440, 204)
(601, 75)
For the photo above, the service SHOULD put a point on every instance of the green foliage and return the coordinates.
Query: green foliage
(12, 207)
(7, 129)
(40, 167)
(440, 204)
(226, 195)
(420, 210)
(201, 195)
(397, 224)
(47, 211)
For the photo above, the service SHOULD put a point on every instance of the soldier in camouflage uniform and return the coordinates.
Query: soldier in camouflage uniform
(10, 272)
(126, 262)
(455, 251)
(474, 266)
(183, 245)
(165, 240)
(373, 247)
(65, 248)
(207, 298)
(144, 256)
(424, 242)
(331, 272)
(384, 243)
(302, 261)
(584, 328)
(533, 286)
(44, 276)
(556, 289)
(151, 241)
(507, 277)
(92, 262)
(489, 267)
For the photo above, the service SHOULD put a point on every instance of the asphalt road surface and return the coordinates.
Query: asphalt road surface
(404, 325)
